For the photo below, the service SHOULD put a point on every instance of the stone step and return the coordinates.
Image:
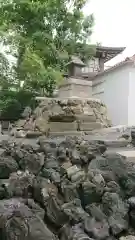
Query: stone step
(109, 140)
(121, 129)
(66, 133)
(63, 126)
(116, 143)
(87, 126)
(129, 155)
(86, 118)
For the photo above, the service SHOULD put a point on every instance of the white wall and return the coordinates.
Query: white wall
(131, 97)
(115, 85)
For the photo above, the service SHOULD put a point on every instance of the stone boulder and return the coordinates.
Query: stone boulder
(17, 221)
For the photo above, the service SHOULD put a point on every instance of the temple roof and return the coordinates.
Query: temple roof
(108, 52)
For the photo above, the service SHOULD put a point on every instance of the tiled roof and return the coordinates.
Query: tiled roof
(110, 52)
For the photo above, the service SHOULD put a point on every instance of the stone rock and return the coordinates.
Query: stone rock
(114, 164)
(42, 188)
(132, 218)
(129, 237)
(41, 124)
(30, 124)
(112, 186)
(117, 225)
(14, 214)
(29, 160)
(72, 183)
(27, 112)
(57, 114)
(117, 212)
(72, 170)
(73, 233)
(54, 211)
(35, 208)
(7, 166)
(21, 184)
(33, 134)
(103, 110)
(51, 174)
(20, 134)
(96, 212)
(69, 190)
(131, 202)
(65, 166)
(50, 162)
(74, 211)
(62, 154)
(75, 157)
(90, 193)
(98, 179)
(20, 123)
(89, 147)
(133, 136)
(79, 176)
(96, 230)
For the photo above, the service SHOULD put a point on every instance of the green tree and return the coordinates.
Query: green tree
(12, 98)
(43, 34)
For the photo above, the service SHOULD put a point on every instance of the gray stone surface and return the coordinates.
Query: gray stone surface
(63, 126)
(59, 115)
(72, 87)
(129, 155)
(67, 133)
(85, 126)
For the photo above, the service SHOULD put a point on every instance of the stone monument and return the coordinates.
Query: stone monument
(74, 85)
(73, 112)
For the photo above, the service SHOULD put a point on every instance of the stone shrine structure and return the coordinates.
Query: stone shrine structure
(74, 85)
(73, 112)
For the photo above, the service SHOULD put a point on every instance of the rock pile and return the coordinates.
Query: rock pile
(71, 116)
(68, 188)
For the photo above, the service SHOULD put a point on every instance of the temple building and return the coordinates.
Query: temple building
(103, 55)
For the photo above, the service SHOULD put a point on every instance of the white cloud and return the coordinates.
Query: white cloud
(114, 24)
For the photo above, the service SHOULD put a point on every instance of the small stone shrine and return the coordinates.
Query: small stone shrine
(74, 86)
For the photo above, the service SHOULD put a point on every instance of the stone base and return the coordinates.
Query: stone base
(63, 126)
(86, 126)
(86, 118)
(67, 133)
(55, 115)
(75, 88)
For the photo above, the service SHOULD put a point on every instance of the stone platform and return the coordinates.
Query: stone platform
(74, 116)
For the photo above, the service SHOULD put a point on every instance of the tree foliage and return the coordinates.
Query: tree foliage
(42, 35)
(12, 103)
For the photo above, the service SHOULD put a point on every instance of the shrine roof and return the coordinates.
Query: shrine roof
(108, 52)
(76, 60)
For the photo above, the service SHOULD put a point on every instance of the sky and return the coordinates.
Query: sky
(114, 25)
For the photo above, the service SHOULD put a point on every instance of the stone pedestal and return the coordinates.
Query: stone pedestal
(74, 112)
(75, 88)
